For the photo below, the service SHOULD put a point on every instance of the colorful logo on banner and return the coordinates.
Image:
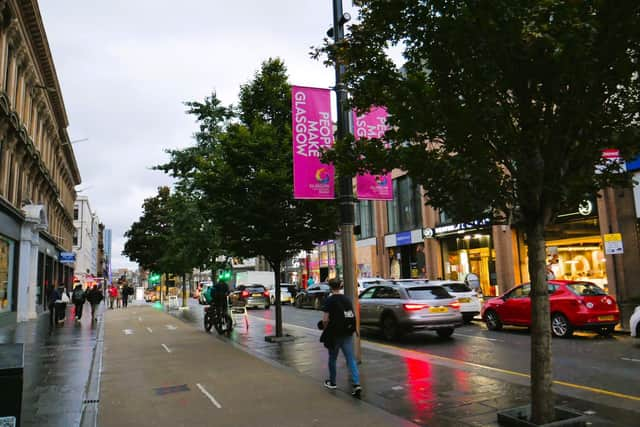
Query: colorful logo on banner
(312, 132)
(369, 126)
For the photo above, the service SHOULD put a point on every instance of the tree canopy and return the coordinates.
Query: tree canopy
(242, 164)
(499, 106)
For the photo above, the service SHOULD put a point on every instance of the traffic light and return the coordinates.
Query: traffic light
(154, 278)
(224, 275)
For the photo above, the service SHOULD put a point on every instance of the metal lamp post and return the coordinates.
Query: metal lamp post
(345, 183)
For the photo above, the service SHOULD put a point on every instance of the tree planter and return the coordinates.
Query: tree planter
(519, 417)
(284, 338)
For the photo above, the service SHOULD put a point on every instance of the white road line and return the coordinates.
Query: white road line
(150, 330)
(171, 327)
(211, 398)
(128, 331)
(139, 319)
(630, 359)
(166, 348)
(458, 334)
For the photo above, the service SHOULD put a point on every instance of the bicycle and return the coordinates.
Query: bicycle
(222, 321)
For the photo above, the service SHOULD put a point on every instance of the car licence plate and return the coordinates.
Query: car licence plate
(438, 309)
(606, 318)
(256, 295)
(464, 299)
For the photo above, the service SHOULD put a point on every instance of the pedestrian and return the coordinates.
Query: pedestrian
(126, 291)
(61, 304)
(53, 296)
(338, 324)
(119, 296)
(78, 298)
(420, 262)
(113, 295)
(94, 296)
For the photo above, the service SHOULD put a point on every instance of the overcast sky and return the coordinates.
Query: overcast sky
(127, 66)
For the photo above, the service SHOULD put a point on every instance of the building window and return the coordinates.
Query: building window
(405, 210)
(365, 218)
(75, 237)
(75, 212)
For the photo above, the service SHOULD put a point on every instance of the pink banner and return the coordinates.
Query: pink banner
(312, 131)
(372, 125)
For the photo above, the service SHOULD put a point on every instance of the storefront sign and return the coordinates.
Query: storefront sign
(67, 257)
(403, 238)
(613, 244)
(312, 131)
(587, 207)
(611, 156)
(455, 228)
(372, 125)
(428, 233)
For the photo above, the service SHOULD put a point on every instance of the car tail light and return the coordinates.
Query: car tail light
(245, 294)
(414, 307)
(266, 293)
(455, 305)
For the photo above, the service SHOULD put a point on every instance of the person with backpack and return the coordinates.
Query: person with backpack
(338, 324)
(78, 299)
(94, 296)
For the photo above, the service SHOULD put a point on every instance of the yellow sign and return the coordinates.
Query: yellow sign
(612, 237)
(613, 244)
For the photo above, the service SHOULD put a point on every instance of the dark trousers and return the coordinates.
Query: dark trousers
(125, 300)
(61, 311)
(79, 306)
(93, 311)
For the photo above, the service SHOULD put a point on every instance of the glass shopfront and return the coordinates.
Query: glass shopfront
(470, 253)
(574, 252)
(6, 274)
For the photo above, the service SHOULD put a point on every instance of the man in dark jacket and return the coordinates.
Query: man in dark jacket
(94, 296)
(338, 323)
(78, 298)
(53, 297)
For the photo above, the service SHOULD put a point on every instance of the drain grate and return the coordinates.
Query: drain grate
(160, 391)
(91, 401)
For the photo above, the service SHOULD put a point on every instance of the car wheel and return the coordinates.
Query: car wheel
(492, 320)
(638, 330)
(560, 326)
(606, 332)
(208, 324)
(444, 332)
(390, 328)
(316, 304)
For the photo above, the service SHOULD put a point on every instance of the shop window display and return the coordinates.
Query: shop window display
(471, 253)
(5, 274)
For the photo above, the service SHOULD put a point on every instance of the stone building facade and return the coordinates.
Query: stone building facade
(38, 169)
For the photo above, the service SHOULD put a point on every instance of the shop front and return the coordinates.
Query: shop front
(7, 284)
(366, 257)
(468, 248)
(402, 252)
(574, 247)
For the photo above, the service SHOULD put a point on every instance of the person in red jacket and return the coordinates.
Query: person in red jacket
(113, 294)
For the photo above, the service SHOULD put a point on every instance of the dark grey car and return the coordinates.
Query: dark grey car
(401, 308)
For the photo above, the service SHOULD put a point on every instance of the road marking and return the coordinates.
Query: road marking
(171, 327)
(425, 355)
(166, 348)
(139, 319)
(630, 359)
(458, 334)
(211, 398)
(128, 331)
(150, 330)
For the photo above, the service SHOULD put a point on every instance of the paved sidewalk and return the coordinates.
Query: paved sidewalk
(159, 371)
(57, 367)
(425, 389)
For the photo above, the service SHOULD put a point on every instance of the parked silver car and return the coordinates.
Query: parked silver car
(399, 308)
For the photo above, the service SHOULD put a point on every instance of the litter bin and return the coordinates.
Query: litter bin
(11, 372)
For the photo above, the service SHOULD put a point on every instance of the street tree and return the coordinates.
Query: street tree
(243, 163)
(148, 237)
(499, 108)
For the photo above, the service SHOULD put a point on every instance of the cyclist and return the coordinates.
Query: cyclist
(219, 296)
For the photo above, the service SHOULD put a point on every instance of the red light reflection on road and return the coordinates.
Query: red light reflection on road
(268, 329)
(419, 383)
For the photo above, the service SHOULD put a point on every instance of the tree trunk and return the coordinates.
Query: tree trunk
(541, 380)
(276, 269)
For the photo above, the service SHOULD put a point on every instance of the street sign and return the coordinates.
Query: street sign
(67, 257)
(613, 244)
(612, 156)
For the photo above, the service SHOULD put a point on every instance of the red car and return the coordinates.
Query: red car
(574, 305)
